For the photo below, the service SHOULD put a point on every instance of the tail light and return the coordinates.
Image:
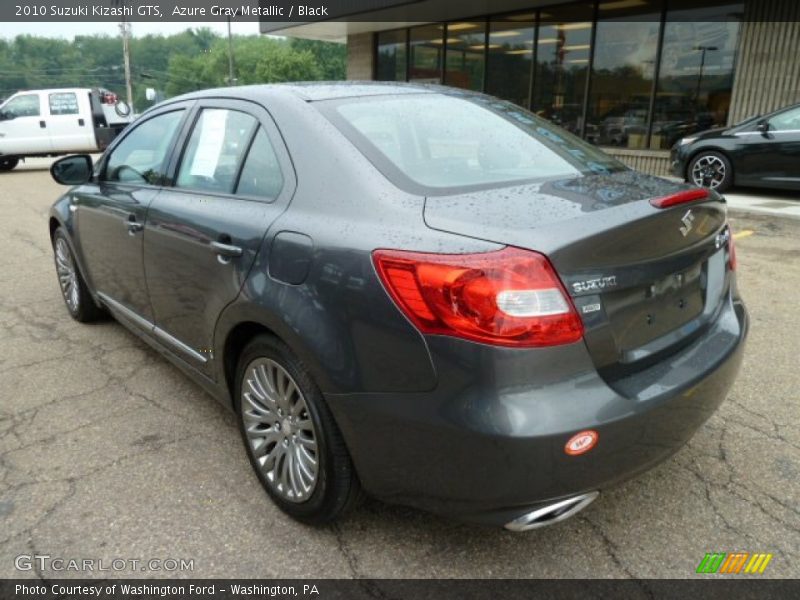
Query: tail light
(511, 297)
(680, 198)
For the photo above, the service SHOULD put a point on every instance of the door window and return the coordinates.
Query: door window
(140, 157)
(261, 175)
(786, 121)
(63, 103)
(26, 105)
(215, 150)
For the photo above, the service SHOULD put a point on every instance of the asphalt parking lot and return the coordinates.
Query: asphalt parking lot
(107, 451)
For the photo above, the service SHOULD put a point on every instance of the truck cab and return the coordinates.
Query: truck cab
(59, 121)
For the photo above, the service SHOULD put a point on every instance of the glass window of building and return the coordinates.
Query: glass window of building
(466, 55)
(696, 71)
(562, 64)
(510, 58)
(623, 68)
(391, 59)
(427, 47)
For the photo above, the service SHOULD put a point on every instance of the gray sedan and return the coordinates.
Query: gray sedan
(429, 296)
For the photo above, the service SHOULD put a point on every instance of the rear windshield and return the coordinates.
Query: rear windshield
(440, 143)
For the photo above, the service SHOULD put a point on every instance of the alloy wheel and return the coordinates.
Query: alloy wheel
(280, 432)
(709, 171)
(67, 275)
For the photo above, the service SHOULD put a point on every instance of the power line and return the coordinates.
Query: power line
(57, 70)
(173, 76)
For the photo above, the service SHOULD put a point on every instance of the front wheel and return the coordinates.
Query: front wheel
(291, 438)
(8, 164)
(74, 290)
(711, 170)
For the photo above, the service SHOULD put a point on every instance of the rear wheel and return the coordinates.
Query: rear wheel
(292, 441)
(7, 164)
(74, 290)
(712, 170)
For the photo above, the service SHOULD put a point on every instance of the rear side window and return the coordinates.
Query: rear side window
(215, 150)
(261, 175)
(63, 103)
(442, 142)
(140, 156)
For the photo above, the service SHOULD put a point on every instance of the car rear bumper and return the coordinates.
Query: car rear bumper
(483, 447)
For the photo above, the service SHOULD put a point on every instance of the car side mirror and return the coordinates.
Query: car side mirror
(72, 170)
(5, 116)
(763, 126)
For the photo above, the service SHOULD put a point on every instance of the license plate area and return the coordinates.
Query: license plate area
(641, 314)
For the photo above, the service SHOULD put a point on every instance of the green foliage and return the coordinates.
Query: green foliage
(191, 60)
(331, 58)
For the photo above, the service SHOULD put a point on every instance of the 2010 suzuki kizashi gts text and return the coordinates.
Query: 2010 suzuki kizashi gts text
(430, 295)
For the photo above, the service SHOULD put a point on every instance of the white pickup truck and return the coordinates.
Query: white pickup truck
(59, 121)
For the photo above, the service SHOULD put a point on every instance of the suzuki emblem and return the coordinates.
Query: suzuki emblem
(688, 220)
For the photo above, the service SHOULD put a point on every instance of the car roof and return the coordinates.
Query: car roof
(330, 90)
(314, 91)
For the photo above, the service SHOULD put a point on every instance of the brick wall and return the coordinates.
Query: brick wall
(654, 162)
(360, 51)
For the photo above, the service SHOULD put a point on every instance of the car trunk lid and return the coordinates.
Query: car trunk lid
(644, 280)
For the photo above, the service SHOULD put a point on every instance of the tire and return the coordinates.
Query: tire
(276, 445)
(74, 291)
(8, 164)
(122, 108)
(710, 169)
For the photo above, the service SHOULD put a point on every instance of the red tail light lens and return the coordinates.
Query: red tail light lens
(680, 198)
(510, 297)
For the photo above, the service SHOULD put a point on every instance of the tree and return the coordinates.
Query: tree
(330, 57)
(191, 60)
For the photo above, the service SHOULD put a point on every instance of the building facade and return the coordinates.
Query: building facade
(632, 76)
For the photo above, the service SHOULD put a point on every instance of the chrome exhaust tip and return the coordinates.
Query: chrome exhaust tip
(552, 513)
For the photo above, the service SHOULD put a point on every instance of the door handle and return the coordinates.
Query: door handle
(42, 124)
(133, 226)
(226, 250)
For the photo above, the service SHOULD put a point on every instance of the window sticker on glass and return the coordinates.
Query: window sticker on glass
(63, 103)
(209, 148)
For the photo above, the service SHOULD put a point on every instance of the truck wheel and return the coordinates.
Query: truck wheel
(6, 164)
(122, 108)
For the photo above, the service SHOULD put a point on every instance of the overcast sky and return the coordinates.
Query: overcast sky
(70, 30)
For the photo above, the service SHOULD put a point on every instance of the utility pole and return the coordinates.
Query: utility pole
(231, 78)
(125, 29)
